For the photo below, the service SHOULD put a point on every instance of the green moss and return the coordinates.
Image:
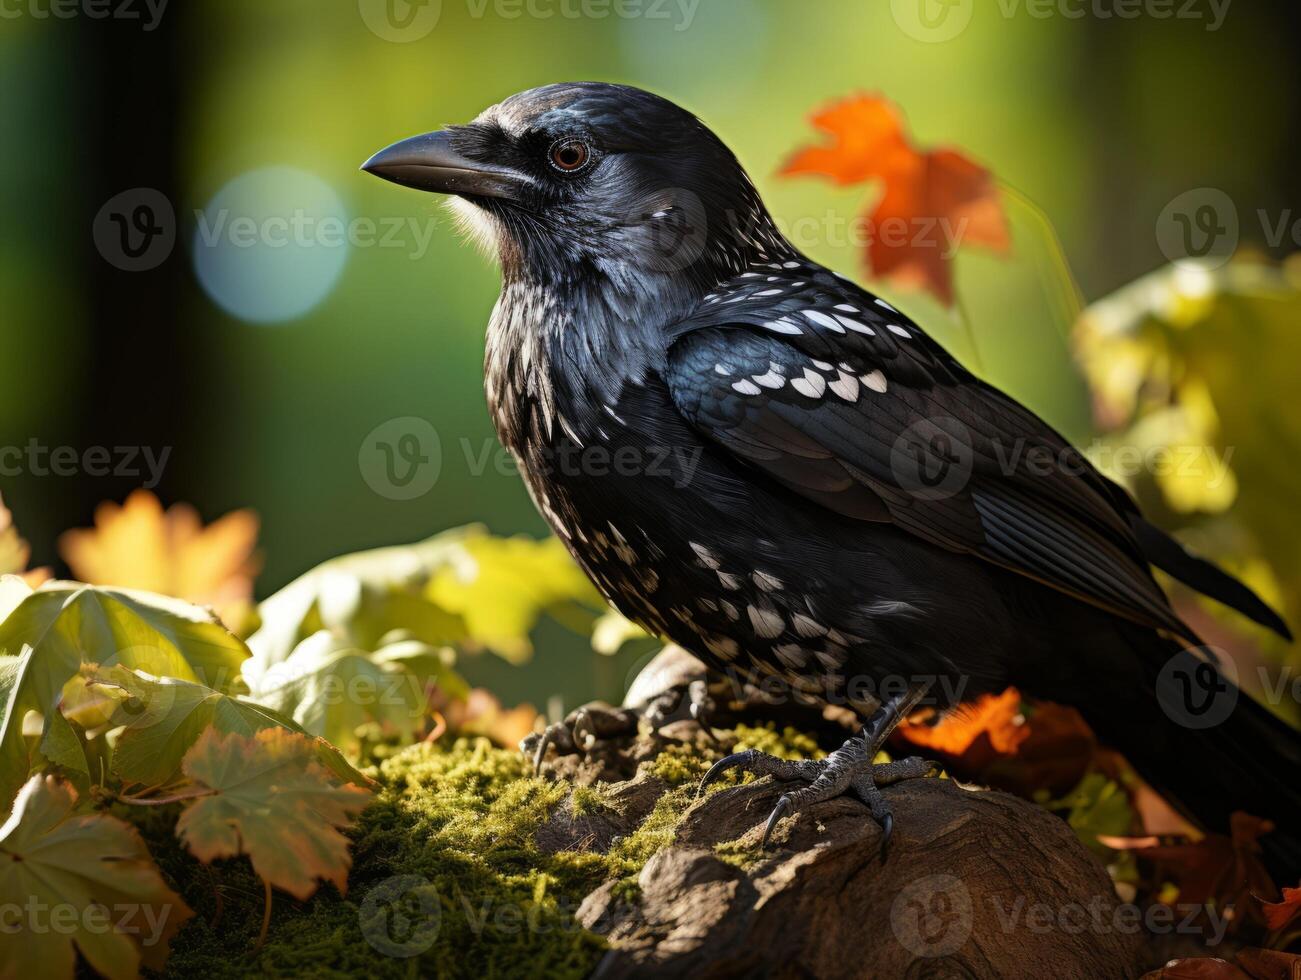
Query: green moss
(786, 744)
(457, 824)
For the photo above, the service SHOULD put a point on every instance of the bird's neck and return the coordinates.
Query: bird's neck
(569, 331)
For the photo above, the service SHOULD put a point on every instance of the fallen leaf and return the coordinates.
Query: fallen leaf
(272, 802)
(1002, 740)
(138, 545)
(95, 874)
(1217, 871)
(930, 204)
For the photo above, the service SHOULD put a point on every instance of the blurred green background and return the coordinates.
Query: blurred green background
(265, 369)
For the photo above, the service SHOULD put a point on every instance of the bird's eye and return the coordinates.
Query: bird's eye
(569, 155)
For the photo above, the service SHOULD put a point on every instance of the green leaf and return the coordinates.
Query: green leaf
(332, 690)
(71, 878)
(273, 803)
(53, 631)
(1194, 367)
(432, 666)
(504, 585)
(13, 590)
(1097, 806)
(162, 717)
(360, 598)
(462, 587)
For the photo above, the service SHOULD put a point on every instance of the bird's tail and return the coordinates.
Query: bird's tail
(1207, 746)
(1174, 559)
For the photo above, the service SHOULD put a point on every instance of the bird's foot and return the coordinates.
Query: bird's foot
(849, 769)
(586, 727)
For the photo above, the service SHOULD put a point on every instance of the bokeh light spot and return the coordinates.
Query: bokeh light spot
(271, 244)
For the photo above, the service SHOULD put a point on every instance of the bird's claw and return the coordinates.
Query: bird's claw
(848, 769)
(586, 726)
(722, 766)
(582, 729)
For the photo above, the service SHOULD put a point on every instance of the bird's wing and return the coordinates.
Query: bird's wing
(837, 396)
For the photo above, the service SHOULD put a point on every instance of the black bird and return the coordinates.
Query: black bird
(762, 461)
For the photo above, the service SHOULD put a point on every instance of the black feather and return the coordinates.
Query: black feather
(1174, 559)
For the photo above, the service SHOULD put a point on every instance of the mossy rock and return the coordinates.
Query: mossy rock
(468, 865)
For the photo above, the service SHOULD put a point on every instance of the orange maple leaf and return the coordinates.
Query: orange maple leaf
(267, 797)
(138, 545)
(930, 204)
(997, 741)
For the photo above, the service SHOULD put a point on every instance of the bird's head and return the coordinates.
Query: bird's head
(586, 178)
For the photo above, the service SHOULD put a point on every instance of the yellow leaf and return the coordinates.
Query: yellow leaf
(138, 545)
(504, 585)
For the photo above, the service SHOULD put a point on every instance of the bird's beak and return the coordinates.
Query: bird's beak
(428, 163)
